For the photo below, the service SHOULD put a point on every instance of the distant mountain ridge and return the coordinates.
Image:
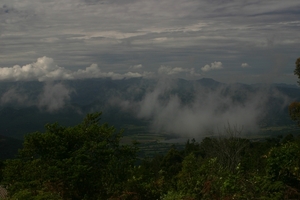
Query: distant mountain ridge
(22, 109)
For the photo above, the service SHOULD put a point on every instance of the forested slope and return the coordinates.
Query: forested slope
(87, 161)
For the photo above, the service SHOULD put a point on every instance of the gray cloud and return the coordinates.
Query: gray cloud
(15, 97)
(51, 98)
(139, 66)
(118, 34)
(245, 65)
(54, 97)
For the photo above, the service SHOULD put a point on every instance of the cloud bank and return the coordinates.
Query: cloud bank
(44, 69)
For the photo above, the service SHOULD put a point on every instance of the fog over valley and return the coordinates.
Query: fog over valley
(187, 108)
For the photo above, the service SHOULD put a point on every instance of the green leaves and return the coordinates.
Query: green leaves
(297, 69)
(283, 163)
(84, 161)
(88, 161)
(294, 107)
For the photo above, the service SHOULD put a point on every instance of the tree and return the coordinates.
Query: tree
(297, 70)
(227, 147)
(294, 108)
(86, 161)
(294, 111)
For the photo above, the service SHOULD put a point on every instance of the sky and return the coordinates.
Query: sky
(229, 41)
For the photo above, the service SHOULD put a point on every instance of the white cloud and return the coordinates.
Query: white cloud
(245, 65)
(212, 66)
(189, 73)
(44, 69)
(171, 70)
(94, 71)
(54, 97)
(193, 73)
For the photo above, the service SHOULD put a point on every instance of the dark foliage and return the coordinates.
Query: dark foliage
(87, 161)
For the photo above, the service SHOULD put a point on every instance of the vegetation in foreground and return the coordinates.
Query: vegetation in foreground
(87, 161)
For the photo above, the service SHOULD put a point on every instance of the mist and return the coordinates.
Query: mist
(170, 105)
(209, 110)
(15, 96)
(54, 97)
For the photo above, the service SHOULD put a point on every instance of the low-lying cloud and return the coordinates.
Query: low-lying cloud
(52, 98)
(13, 96)
(209, 111)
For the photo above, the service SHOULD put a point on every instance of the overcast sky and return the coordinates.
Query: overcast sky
(228, 40)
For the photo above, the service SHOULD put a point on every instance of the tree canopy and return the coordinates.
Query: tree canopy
(294, 107)
(297, 69)
(89, 161)
(85, 161)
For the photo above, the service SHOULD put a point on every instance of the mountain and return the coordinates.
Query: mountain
(27, 106)
(209, 82)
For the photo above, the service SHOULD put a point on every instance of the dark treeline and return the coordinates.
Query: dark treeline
(87, 161)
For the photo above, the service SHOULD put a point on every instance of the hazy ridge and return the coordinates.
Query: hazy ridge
(27, 106)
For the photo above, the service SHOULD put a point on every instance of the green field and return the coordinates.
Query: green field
(151, 143)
